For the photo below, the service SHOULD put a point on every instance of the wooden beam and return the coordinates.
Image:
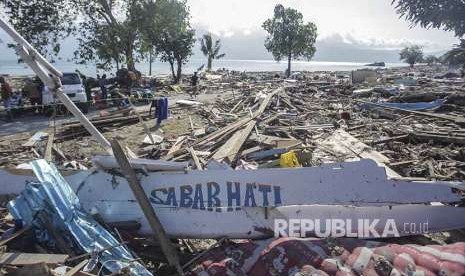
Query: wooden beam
(14, 236)
(31, 258)
(48, 148)
(198, 166)
(77, 268)
(177, 145)
(348, 143)
(146, 207)
(231, 148)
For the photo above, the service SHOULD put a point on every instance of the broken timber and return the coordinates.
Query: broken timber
(147, 209)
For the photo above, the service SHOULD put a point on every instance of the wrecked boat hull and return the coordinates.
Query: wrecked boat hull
(245, 204)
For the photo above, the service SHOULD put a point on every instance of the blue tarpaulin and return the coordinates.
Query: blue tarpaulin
(53, 197)
(408, 106)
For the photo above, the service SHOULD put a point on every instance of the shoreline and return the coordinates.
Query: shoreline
(255, 66)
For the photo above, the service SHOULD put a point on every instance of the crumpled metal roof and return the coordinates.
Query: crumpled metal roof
(55, 198)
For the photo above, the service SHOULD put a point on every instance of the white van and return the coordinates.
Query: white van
(73, 86)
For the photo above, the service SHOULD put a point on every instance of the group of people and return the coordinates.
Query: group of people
(34, 88)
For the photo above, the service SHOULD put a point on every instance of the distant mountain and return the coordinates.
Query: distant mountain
(250, 46)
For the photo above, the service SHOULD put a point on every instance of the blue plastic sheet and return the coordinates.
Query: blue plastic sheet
(53, 197)
(408, 106)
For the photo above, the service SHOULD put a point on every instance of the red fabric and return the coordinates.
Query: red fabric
(341, 257)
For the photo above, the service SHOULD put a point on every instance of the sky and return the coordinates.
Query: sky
(367, 22)
(348, 30)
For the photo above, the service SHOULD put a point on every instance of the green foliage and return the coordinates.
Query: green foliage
(441, 14)
(288, 36)
(456, 56)
(175, 38)
(109, 32)
(412, 55)
(44, 23)
(210, 50)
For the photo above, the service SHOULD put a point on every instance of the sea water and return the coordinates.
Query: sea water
(12, 67)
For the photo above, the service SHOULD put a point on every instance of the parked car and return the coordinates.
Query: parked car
(73, 86)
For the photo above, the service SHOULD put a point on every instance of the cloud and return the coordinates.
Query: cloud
(378, 43)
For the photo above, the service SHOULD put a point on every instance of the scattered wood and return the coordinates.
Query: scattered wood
(21, 259)
(146, 207)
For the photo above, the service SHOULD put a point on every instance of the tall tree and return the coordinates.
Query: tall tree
(44, 23)
(101, 46)
(150, 32)
(176, 37)
(108, 29)
(289, 37)
(441, 14)
(412, 55)
(210, 50)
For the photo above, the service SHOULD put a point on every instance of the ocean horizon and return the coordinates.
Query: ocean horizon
(13, 68)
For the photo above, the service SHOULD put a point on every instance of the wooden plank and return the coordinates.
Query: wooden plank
(363, 151)
(48, 148)
(77, 268)
(21, 259)
(146, 207)
(198, 166)
(390, 139)
(38, 136)
(177, 145)
(109, 162)
(14, 236)
(232, 147)
(271, 140)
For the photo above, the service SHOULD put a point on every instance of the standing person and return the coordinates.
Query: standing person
(102, 83)
(194, 84)
(34, 90)
(6, 93)
(87, 82)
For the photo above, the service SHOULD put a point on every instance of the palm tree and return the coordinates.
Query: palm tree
(456, 56)
(209, 50)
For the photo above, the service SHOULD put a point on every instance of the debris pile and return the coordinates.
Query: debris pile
(409, 122)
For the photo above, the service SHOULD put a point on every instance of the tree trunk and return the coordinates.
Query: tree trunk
(172, 71)
(289, 60)
(210, 61)
(150, 61)
(179, 72)
(130, 58)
